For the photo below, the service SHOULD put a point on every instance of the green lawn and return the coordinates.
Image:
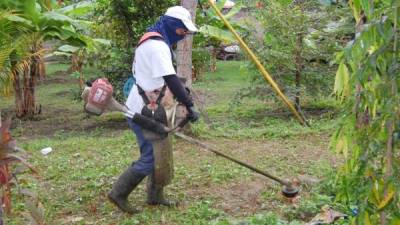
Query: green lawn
(90, 152)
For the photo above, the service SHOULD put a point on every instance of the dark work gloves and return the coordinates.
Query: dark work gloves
(181, 94)
(193, 115)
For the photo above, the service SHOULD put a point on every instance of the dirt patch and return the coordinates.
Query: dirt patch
(294, 159)
(241, 198)
(203, 98)
(109, 125)
(63, 93)
(55, 80)
(54, 121)
(60, 77)
(295, 151)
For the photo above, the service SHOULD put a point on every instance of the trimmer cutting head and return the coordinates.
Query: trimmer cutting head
(290, 191)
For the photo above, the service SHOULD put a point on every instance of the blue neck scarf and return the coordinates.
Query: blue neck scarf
(167, 26)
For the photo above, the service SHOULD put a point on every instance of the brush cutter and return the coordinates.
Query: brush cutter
(288, 190)
(143, 121)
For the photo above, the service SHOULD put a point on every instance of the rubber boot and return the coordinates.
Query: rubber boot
(125, 184)
(155, 194)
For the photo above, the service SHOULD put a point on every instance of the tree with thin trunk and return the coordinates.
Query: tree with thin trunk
(184, 49)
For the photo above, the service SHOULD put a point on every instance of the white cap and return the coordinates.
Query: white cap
(184, 15)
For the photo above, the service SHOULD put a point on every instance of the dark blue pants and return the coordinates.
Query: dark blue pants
(145, 163)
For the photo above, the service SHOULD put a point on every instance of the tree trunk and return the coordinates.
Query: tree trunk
(25, 89)
(29, 88)
(18, 95)
(184, 49)
(299, 67)
(184, 54)
(76, 66)
(41, 65)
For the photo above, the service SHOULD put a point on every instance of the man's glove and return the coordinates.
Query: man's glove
(193, 114)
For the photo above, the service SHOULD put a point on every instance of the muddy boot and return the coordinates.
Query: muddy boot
(155, 194)
(125, 184)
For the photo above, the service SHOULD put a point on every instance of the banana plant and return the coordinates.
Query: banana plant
(212, 29)
(78, 55)
(25, 25)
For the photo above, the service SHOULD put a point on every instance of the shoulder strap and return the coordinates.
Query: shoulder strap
(162, 93)
(148, 35)
(144, 96)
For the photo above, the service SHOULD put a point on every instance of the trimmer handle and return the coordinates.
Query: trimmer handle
(183, 122)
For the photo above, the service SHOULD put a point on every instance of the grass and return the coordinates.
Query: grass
(249, 118)
(90, 152)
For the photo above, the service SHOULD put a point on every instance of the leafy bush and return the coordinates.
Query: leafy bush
(201, 61)
(296, 49)
(367, 83)
(117, 68)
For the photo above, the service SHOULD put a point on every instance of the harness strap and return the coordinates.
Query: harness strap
(146, 99)
(143, 94)
(162, 93)
(148, 35)
(156, 36)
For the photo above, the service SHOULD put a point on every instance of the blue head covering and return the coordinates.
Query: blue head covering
(167, 26)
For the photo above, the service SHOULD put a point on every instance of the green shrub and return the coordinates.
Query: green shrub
(201, 61)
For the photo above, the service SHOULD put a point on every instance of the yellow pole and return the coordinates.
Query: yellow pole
(260, 67)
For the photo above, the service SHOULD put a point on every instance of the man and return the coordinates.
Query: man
(153, 69)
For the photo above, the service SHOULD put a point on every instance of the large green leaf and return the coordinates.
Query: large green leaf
(220, 4)
(32, 10)
(234, 10)
(68, 48)
(58, 17)
(217, 33)
(341, 87)
(15, 18)
(77, 9)
(58, 53)
(102, 41)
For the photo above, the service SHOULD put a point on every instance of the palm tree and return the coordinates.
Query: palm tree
(24, 26)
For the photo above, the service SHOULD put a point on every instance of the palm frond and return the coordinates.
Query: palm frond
(6, 83)
(24, 63)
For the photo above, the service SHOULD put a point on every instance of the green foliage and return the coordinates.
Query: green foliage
(201, 61)
(242, 117)
(367, 82)
(296, 48)
(270, 219)
(217, 33)
(116, 65)
(26, 25)
(212, 30)
(123, 22)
